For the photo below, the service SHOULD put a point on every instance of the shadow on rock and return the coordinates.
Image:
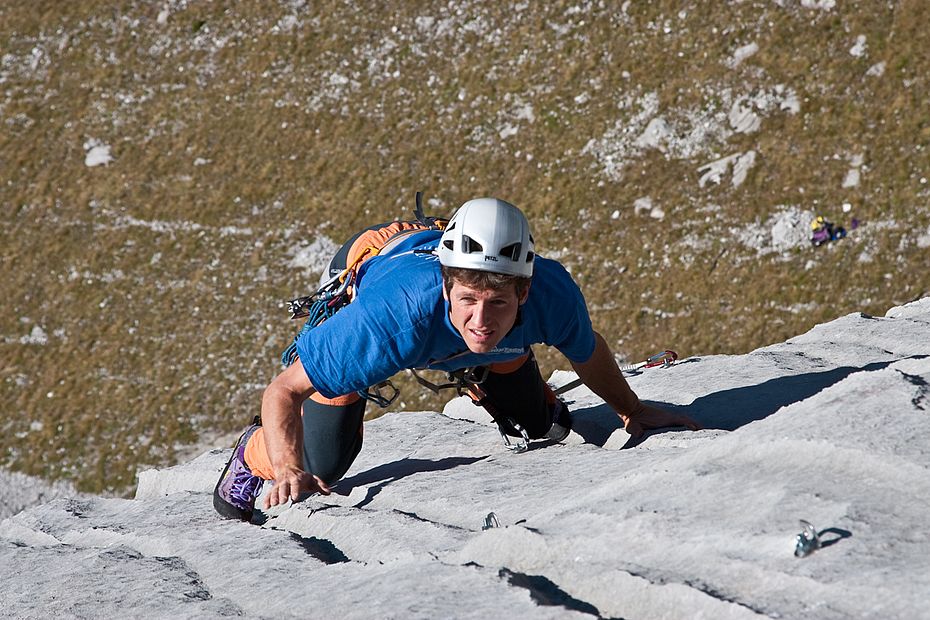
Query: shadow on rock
(391, 472)
(597, 424)
(836, 535)
(726, 409)
(731, 409)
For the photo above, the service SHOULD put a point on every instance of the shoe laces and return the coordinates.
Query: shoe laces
(245, 486)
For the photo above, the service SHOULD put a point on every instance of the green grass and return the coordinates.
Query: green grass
(162, 328)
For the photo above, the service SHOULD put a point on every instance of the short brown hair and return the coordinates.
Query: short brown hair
(482, 280)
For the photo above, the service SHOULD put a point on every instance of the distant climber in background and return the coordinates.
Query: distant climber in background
(469, 297)
(823, 230)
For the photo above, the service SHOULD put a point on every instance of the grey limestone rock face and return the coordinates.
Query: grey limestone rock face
(830, 427)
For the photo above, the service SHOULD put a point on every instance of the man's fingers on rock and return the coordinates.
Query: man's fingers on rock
(279, 493)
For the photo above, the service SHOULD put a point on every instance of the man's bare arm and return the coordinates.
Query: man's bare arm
(282, 403)
(603, 376)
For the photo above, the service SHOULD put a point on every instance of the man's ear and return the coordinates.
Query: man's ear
(445, 293)
(526, 294)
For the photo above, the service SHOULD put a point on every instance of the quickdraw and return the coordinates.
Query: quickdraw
(807, 541)
(662, 359)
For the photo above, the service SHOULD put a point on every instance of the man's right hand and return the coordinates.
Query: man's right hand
(290, 484)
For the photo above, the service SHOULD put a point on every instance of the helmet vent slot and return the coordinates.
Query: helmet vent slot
(470, 246)
(511, 251)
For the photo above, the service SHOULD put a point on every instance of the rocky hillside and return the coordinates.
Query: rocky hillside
(168, 168)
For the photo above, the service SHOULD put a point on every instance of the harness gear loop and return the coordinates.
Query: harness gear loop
(463, 381)
(374, 393)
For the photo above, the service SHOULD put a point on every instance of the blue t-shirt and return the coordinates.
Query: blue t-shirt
(400, 320)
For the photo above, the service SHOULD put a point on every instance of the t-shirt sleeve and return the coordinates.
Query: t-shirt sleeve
(362, 344)
(568, 324)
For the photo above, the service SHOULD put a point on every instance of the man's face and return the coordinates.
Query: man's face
(483, 316)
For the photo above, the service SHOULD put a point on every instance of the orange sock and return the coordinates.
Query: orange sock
(257, 457)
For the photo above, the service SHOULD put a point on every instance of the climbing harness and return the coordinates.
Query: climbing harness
(339, 290)
(463, 381)
(467, 382)
(662, 359)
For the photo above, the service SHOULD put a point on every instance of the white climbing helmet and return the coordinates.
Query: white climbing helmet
(488, 234)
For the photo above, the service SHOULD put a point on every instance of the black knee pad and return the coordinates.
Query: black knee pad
(332, 438)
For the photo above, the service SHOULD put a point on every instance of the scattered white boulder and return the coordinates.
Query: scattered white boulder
(923, 241)
(859, 47)
(36, 336)
(742, 53)
(852, 178)
(655, 134)
(98, 155)
(788, 99)
(783, 231)
(642, 205)
(823, 5)
(853, 175)
(742, 117)
(714, 171)
(313, 256)
(876, 70)
(741, 164)
(645, 205)
(790, 228)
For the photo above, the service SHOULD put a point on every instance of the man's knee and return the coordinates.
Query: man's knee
(332, 435)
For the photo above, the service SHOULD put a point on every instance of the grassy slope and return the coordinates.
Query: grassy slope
(239, 131)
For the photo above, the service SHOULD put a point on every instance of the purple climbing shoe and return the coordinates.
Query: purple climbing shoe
(236, 490)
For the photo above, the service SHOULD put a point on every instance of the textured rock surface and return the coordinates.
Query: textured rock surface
(830, 427)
